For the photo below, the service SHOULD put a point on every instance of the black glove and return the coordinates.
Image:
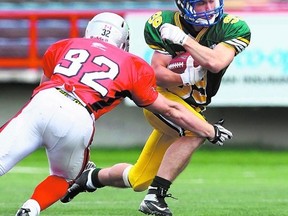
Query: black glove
(221, 133)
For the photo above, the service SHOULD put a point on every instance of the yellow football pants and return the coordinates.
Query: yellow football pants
(163, 135)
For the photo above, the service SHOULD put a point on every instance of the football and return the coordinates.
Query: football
(179, 63)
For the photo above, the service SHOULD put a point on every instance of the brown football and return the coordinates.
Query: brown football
(178, 63)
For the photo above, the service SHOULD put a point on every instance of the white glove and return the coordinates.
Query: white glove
(221, 133)
(173, 33)
(192, 74)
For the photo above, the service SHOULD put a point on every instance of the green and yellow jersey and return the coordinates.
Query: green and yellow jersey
(230, 30)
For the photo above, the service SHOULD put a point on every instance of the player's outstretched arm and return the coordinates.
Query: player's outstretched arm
(180, 115)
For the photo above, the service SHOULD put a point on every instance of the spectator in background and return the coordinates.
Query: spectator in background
(83, 79)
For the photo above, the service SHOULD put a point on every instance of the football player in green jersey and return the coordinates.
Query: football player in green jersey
(213, 39)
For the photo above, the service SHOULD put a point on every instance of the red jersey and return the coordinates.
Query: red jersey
(100, 74)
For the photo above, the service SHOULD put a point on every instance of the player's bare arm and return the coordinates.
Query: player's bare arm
(213, 59)
(164, 76)
(182, 116)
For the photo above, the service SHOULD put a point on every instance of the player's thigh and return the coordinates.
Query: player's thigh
(67, 140)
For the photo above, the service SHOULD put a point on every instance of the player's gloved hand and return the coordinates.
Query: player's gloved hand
(173, 33)
(192, 74)
(221, 133)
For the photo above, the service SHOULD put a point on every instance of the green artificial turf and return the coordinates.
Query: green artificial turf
(217, 182)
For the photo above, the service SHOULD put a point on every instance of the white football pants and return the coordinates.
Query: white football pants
(53, 121)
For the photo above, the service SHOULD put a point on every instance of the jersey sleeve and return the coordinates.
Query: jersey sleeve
(50, 56)
(143, 92)
(237, 33)
(48, 63)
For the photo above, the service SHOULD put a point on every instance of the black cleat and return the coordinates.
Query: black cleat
(23, 212)
(154, 203)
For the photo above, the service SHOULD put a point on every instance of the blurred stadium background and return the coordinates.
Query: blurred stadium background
(253, 98)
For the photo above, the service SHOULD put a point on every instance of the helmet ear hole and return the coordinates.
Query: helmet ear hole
(110, 28)
(203, 18)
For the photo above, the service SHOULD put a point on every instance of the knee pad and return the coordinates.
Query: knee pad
(125, 176)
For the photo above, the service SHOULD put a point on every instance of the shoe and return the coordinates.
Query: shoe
(23, 212)
(154, 203)
(80, 184)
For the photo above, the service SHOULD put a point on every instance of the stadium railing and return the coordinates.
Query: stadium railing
(26, 35)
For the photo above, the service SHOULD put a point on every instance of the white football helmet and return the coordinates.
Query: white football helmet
(205, 18)
(110, 28)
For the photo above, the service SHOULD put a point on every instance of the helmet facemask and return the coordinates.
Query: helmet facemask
(205, 18)
(110, 28)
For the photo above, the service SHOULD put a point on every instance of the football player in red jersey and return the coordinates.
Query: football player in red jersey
(83, 79)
